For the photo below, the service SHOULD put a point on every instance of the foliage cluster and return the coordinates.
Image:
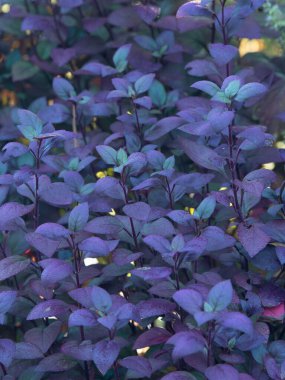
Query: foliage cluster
(142, 232)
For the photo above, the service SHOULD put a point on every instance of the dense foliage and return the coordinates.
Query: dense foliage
(142, 232)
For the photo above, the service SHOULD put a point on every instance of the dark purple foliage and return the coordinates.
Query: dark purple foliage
(141, 236)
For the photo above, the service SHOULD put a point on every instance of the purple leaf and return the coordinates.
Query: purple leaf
(96, 247)
(7, 298)
(222, 54)
(104, 225)
(152, 337)
(96, 68)
(178, 375)
(82, 351)
(63, 89)
(155, 307)
(186, 343)
(57, 194)
(202, 155)
(78, 217)
(217, 239)
(253, 238)
(7, 351)
(144, 101)
(82, 317)
(27, 351)
(208, 87)
(55, 270)
(159, 243)
(162, 127)
(55, 363)
(46, 246)
(222, 371)
(83, 296)
(138, 364)
(43, 338)
(51, 308)
(12, 210)
(249, 90)
(189, 299)
(236, 321)
(12, 265)
(152, 274)
(104, 354)
(192, 9)
(138, 210)
(101, 299)
(52, 231)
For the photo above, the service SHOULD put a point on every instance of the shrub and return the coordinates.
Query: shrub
(142, 233)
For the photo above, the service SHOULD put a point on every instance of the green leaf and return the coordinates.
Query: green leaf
(232, 89)
(169, 163)
(206, 208)
(30, 125)
(220, 296)
(78, 217)
(120, 58)
(22, 70)
(108, 154)
(121, 157)
(157, 93)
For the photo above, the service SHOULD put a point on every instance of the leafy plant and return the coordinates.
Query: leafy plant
(142, 233)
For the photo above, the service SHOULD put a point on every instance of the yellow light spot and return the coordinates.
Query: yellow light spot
(129, 113)
(142, 351)
(191, 210)
(53, 2)
(112, 212)
(280, 144)
(186, 208)
(5, 8)
(110, 172)
(50, 102)
(100, 174)
(28, 32)
(269, 166)
(250, 46)
(231, 229)
(129, 275)
(159, 322)
(223, 188)
(90, 261)
(136, 324)
(69, 75)
(231, 205)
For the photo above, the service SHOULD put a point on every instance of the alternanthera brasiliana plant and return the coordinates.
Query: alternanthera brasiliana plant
(142, 230)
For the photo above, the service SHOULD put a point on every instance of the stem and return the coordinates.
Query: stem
(209, 342)
(176, 271)
(76, 258)
(36, 209)
(232, 162)
(137, 118)
(3, 368)
(57, 29)
(225, 38)
(169, 194)
(74, 123)
(213, 28)
(134, 235)
(116, 371)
